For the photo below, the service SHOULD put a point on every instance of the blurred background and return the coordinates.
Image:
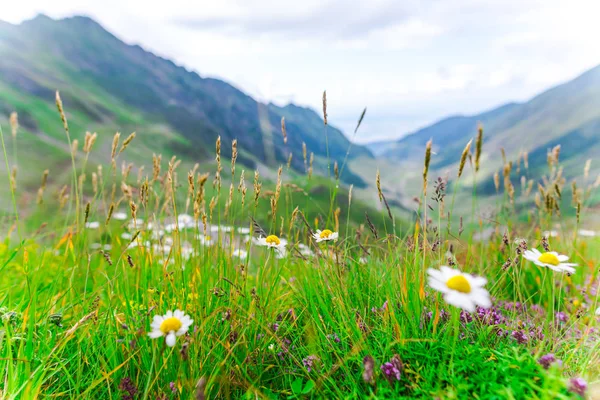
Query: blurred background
(182, 75)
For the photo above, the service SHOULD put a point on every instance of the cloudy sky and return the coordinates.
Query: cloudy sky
(410, 62)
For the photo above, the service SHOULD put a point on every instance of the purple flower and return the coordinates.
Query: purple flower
(334, 337)
(561, 316)
(309, 362)
(128, 388)
(465, 317)
(489, 316)
(537, 334)
(537, 308)
(548, 359)
(520, 336)
(275, 327)
(368, 366)
(578, 386)
(381, 309)
(392, 370)
(172, 387)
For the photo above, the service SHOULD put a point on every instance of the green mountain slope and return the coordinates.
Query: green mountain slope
(568, 114)
(107, 85)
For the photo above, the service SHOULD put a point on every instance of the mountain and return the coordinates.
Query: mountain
(107, 85)
(568, 114)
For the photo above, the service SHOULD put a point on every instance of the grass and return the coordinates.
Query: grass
(77, 298)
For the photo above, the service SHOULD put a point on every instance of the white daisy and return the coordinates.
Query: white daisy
(92, 225)
(240, 253)
(171, 227)
(120, 216)
(551, 233)
(586, 233)
(171, 325)
(243, 230)
(552, 260)
(305, 250)
(272, 242)
(205, 240)
(460, 289)
(186, 250)
(185, 220)
(325, 235)
(221, 228)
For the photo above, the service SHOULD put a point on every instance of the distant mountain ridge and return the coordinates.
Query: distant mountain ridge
(107, 83)
(568, 114)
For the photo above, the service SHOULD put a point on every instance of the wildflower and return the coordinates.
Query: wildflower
(489, 316)
(92, 225)
(520, 336)
(205, 240)
(272, 242)
(460, 289)
(381, 309)
(185, 220)
(128, 388)
(305, 250)
(240, 253)
(243, 230)
(325, 235)
(552, 260)
(392, 370)
(120, 216)
(334, 337)
(578, 386)
(598, 311)
(548, 359)
(368, 364)
(171, 325)
(309, 362)
(586, 233)
(561, 316)
(465, 317)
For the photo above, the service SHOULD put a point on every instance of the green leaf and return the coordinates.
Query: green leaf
(310, 385)
(297, 386)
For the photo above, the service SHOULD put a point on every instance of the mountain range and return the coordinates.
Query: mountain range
(107, 85)
(566, 115)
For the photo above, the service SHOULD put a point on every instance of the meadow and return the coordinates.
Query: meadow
(213, 282)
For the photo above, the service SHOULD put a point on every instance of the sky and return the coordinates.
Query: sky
(409, 62)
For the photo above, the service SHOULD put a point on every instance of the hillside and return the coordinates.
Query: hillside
(107, 86)
(568, 114)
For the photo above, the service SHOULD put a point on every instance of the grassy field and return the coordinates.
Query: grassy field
(93, 273)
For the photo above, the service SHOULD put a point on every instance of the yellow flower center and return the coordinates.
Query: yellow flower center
(273, 240)
(459, 283)
(549, 258)
(170, 324)
(325, 234)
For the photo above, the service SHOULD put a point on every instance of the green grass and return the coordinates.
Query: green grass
(75, 318)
